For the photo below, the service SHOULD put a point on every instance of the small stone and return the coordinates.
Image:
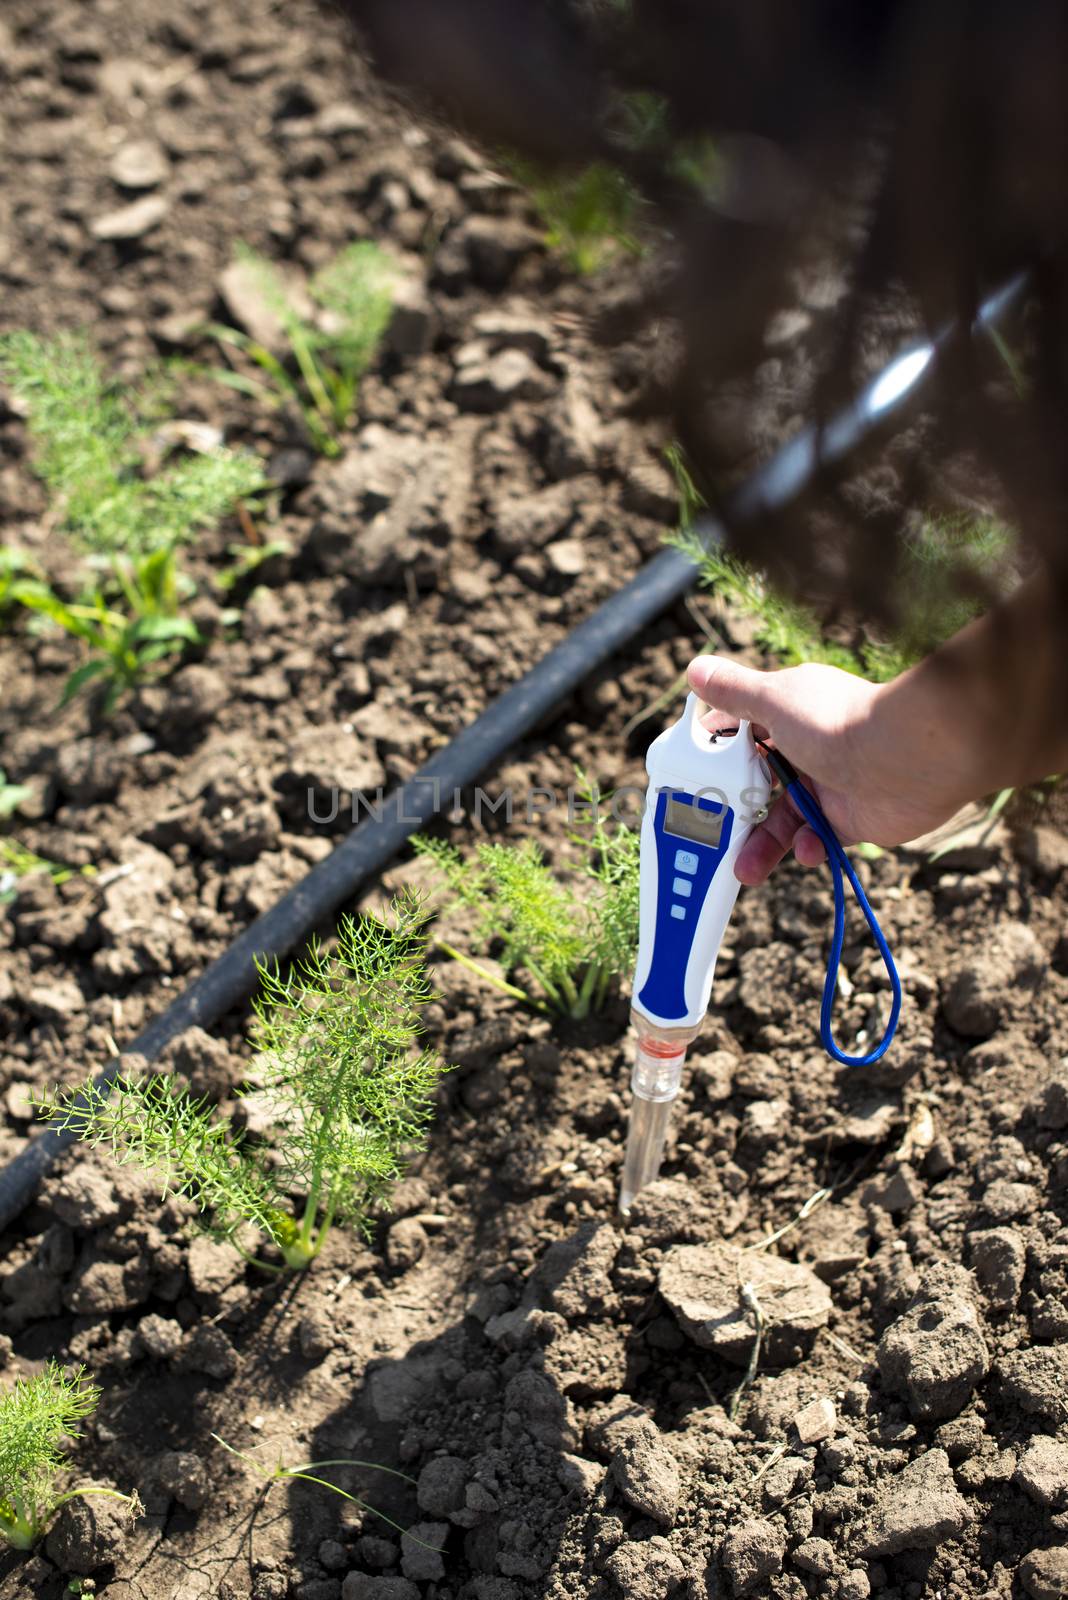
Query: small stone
(405, 1244)
(647, 1474)
(1044, 1573)
(494, 247)
(1049, 1107)
(208, 1350)
(872, 1122)
(362, 1586)
(580, 1476)
(159, 1337)
(213, 1267)
(55, 1002)
(645, 1570)
(413, 324)
(317, 1334)
(139, 164)
(999, 1261)
(132, 221)
(935, 1353)
(85, 1197)
(752, 1551)
(18, 1101)
(206, 1061)
(782, 1481)
(567, 557)
(840, 1245)
(816, 1556)
(440, 1490)
(1005, 1200)
(816, 1421)
(764, 1123)
(376, 1552)
(1044, 849)
(898, 1191)
(1036, 1379)
(854, 1585)
(1011, 962)
(421, 1551)
(917, 1508)
(493, 382)
(702, 1285)
(184, 1477)
(86, 1535)
(332, 1555)
(103, 1287)
(1043, 1471)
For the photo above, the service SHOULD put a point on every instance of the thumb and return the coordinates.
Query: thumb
(740, 691)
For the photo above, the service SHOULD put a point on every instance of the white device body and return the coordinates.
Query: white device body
(704, 786)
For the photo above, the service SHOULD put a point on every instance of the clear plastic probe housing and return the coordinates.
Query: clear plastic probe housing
(655, 1082)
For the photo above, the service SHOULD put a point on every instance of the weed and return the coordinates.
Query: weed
(90, 437)
(347, 1094)
(329, 356)
(12, 796)
(16, 567)
(123, 644)
(247, 559)
(570, 940)
(308, 1473)
(35, 1416)
(16, 863)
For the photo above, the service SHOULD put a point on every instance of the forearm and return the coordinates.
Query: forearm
(988, 709)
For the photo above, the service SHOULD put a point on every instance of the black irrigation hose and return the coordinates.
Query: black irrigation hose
(372, 843)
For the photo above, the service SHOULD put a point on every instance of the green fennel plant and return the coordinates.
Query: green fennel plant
(328, 356)
(91, 435)
(946, 563)
(588, 215)
(570, 939)
(348, 1096)
(35, 1417)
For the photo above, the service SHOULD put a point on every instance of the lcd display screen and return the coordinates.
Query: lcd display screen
(690, 822)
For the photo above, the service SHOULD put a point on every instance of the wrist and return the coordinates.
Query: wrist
(932, 721)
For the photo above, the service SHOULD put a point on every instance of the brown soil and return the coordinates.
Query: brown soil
(555, 1384)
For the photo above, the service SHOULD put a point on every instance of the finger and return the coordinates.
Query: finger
(737, 690)
(809, 848)
(768, 843)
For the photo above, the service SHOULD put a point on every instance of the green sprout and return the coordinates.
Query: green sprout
(308, 1472)
(35, 1417)
(16, 567)
(348, 1096)
(17, 862)
(570, 939)
(588, 215)
(123, 644)
(12, 796)
(247, 560)
(91, 435)
(328, 356)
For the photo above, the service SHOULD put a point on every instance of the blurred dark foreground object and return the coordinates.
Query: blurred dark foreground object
(917, 147)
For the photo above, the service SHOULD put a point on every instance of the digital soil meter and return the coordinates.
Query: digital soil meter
(707, 790)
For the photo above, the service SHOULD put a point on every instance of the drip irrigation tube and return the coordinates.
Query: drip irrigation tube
(880, 406)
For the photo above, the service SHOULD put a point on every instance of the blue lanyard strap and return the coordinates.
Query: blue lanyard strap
(841, 867)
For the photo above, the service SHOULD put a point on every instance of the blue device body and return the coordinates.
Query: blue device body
(686, 867)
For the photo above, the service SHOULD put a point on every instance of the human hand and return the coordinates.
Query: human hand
(881, 771)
